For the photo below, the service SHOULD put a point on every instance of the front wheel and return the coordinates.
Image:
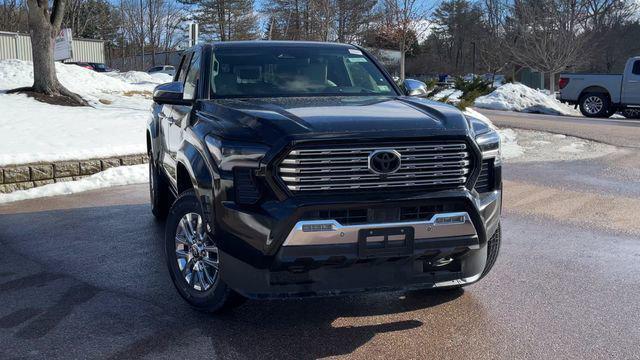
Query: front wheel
(595, 105)
(193, 258)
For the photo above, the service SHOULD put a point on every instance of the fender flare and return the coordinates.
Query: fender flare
(199, 171)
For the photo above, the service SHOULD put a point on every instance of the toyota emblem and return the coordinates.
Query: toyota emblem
(384, 161)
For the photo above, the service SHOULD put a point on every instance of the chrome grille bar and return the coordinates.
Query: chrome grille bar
(425, 165)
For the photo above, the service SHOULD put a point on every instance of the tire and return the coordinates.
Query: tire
(192, 258)
(493, 249)
(595, 105)
(631, 113)
(159, 194)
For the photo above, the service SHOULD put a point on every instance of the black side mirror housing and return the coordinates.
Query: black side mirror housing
(170, 93)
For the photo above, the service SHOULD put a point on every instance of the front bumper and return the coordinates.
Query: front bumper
(269, 255)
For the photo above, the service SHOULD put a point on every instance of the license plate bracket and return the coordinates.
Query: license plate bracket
(384, 242)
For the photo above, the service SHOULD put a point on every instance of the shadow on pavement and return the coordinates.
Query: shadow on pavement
(113, 257)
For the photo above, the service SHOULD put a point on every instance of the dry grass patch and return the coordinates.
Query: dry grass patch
(144, 93)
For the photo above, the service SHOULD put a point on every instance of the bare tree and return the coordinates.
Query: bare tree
(44, 26)
(352, 18)
(13, 16)
(225, 20)
(406, 21)
(545, 35)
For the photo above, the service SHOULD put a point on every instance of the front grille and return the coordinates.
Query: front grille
(426, 165)
(358, 216)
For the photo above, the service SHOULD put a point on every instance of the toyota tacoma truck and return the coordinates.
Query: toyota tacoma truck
(295, 169)
(602, 95)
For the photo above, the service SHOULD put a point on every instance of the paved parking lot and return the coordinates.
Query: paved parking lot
(83, 276)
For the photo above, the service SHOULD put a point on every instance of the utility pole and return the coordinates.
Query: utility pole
(142, 33)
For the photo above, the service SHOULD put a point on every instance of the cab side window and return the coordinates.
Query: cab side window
(193, 75)
(636, 68)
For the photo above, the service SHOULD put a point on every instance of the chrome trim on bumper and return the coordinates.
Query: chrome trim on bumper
(330, 232)
(457, 282)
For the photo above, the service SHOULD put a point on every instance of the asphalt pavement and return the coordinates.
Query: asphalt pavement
(613, 131)
(83, 276)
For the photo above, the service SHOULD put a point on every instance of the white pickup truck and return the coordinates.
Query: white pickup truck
(602, 95)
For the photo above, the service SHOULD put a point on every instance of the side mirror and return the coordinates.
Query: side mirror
(415, 87)
(170, 93)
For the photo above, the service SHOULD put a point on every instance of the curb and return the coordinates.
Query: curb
(27, 176)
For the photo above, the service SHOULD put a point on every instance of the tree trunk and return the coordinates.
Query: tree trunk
(42, 42)
(43, 29)
(402, 59)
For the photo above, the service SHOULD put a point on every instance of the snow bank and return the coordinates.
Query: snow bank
(528, 145)
(92, 86)
(140, 78)
(123, 175)
(510, 148)
(32, 131)
(521, 98)
(451, 95)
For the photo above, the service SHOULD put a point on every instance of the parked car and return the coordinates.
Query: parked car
(98, 67)
(294, 169)
(165, 69)
(602, 95)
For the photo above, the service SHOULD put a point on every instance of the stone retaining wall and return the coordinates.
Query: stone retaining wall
(22, 177)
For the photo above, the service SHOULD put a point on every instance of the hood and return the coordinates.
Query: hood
(336, 117)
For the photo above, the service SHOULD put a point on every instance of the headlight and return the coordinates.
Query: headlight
(487, 139)
(229, 154)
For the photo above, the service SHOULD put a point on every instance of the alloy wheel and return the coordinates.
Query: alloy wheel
(593, 104)
(196, 253)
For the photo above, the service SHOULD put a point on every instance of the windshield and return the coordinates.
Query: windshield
(287, 71)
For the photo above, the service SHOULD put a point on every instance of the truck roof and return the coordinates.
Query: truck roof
(273, 43)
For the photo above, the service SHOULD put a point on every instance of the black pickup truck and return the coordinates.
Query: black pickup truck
(293, 169)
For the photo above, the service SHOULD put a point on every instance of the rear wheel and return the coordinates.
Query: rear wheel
(193, 258)
(631, 113)
(159, 193)
(595, 105)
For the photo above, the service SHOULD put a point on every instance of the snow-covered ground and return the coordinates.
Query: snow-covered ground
(32, 131)
(521, 98)
(122, 175)
(451, 96)
(528, 145)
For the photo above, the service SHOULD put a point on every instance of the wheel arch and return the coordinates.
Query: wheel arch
(192, 172)
(595, 89)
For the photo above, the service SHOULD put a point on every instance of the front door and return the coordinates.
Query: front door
(172, 125)
(631, 86)
(181, 114)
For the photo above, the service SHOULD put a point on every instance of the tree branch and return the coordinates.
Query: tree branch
(57, 14)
